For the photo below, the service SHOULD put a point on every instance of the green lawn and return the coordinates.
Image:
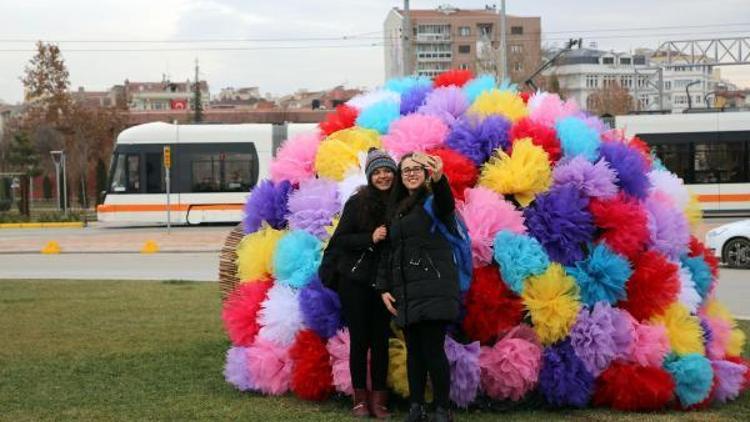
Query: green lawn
(111, 350)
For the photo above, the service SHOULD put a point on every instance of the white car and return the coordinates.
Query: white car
(731, 243)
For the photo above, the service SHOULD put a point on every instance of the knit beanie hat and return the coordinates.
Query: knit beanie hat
(376, 159)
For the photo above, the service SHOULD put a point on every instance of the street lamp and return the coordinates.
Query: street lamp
(58, 157)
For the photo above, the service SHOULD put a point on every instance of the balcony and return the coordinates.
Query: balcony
(434, 57)
(433, 37)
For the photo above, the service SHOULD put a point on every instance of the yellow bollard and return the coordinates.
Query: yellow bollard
(52, 247)
(150, 247)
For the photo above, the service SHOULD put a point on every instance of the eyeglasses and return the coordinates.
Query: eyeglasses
(412, 170)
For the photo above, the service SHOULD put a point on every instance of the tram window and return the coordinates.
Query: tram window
(206, 173)
(676, 158)
(154, 173)
(126, 176)
(706, 160)
(730, 160)
(720, 163)
(238, 172)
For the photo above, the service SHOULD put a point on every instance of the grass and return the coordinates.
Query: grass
(115, 350)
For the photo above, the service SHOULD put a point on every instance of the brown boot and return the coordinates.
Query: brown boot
(360, 410)
(379, 404)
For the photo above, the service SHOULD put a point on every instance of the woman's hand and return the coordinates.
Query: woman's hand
(379, 234)
(436, 165)
(388, 300)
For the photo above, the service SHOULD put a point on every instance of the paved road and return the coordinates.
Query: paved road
(734, 291)
(120, 266)
(99, 238)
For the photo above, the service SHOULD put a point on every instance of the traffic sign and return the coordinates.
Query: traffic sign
(167, 156)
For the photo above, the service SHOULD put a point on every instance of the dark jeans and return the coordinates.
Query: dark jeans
(426, 354)
(368, 321)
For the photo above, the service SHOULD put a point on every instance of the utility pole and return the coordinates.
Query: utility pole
(503, 32)
(406, 34)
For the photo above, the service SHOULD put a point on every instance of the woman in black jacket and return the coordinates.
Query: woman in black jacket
(358, 241)
(419, 279)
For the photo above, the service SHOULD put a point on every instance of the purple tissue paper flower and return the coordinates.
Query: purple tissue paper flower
(560, 221)
(267, 202)
(478, 138)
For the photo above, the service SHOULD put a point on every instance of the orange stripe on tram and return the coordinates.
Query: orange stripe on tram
(737, 197)
(162, 207)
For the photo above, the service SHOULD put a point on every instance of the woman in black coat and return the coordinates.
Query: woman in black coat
(419, 279)
(358, 242)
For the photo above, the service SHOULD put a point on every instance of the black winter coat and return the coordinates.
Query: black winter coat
(418, 268)
(357, 256)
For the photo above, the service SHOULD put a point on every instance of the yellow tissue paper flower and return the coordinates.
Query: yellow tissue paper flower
(693, 212)
(397, 380)
(736, 343)
(737, 338)
(683, 330)
(504, 103)
(552, 301)
(338, 152)
(523, 174)
(255, 254)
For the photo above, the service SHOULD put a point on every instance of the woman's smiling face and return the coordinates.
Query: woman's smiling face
(413, 174)
(382, 178)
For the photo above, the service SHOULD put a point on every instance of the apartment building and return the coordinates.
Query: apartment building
(452, 38)
(581, 72)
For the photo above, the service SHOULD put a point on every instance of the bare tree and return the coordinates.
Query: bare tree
(612, 99)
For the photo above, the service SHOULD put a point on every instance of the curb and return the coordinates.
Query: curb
(50, 225)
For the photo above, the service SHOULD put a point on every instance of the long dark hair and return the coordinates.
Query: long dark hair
(400, 201)
(372, 206)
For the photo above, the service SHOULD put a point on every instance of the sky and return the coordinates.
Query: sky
(299, 43)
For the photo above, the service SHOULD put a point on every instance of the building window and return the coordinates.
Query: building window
(464, 49)
(484, 29)
(626, 81)
(668, 85)
(464, 31)
(679, 99)
(625, 60)
(592, 81)
(608, 81)
(516, 49)
(516, 30)
(463, 66)
(518, 67)
(608, 60)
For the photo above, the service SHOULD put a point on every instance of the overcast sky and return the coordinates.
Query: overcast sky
(302, 63)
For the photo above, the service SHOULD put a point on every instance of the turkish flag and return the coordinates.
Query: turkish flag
(178, 104)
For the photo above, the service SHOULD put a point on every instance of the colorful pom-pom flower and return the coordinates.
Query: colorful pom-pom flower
(255, 254)
(601, 276)
(523, 174)
(552, 301)
(297, 258)
(339, 151)
(502, 103)
(519, 257)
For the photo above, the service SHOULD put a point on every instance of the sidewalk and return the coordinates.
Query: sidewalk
(99, 239)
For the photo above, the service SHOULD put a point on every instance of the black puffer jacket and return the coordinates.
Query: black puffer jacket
(418, 268)
(358, 256)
